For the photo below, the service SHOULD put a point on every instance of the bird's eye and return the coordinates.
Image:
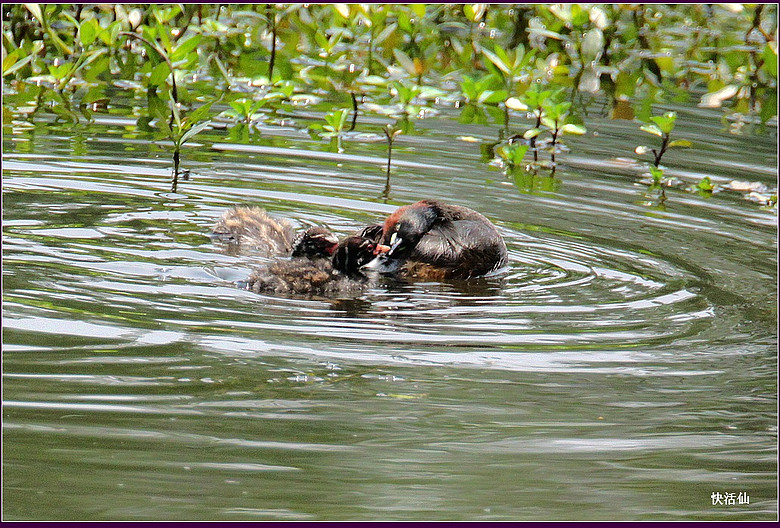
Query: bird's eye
(393, 237)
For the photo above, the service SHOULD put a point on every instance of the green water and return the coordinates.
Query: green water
(622, 367)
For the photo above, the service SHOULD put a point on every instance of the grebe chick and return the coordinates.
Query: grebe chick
(302, 276)
(252, 228)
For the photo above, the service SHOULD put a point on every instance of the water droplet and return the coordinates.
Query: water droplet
(351, 68)
(457, 104)
(481, 25)
(492, 33)
(435, 100)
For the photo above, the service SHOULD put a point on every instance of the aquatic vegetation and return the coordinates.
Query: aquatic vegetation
(551, 63)
(662, 127)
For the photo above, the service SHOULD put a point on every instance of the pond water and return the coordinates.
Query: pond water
(622, 367)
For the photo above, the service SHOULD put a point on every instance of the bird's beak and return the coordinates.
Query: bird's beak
(395, 241)
(379, 249)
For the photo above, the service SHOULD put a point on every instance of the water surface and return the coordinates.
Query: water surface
(623, 366)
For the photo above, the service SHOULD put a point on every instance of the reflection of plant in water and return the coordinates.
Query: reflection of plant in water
(391, 131)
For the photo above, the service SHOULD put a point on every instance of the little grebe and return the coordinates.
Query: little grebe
(341, 273)
(252, 228)
(433, 240)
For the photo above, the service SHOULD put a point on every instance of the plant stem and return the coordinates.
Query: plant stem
(354, 111)
(272, 18)
(659, 154)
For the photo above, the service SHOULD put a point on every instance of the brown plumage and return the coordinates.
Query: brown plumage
(432, 240)
(252, 229)
(303, 276)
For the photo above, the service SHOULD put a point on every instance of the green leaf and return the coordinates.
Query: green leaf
(513, 103)
(241, 107)
(571, 128)
(657, 173)
(342, 9)
(406, 61)
(532, 133)
(770, 59)
(683, 143)
(705, 184)
(642, 149)
(88, 31)
(193, 131)
(652, 129)
(321, 39)
(552, 124)
(185, 47)
(201, 112)
(495, 59)
(12, 63)
(474, 12)
(418, 10)
(665, 122)
(159, 74)
(110, 34)
(35, 9)
(59, 72)
(518, 153)
(492, 97)
(11, 59)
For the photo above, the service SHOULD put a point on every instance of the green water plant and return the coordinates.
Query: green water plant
(513, 153)
(246, 109)
(334, 127)
(662, 127)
